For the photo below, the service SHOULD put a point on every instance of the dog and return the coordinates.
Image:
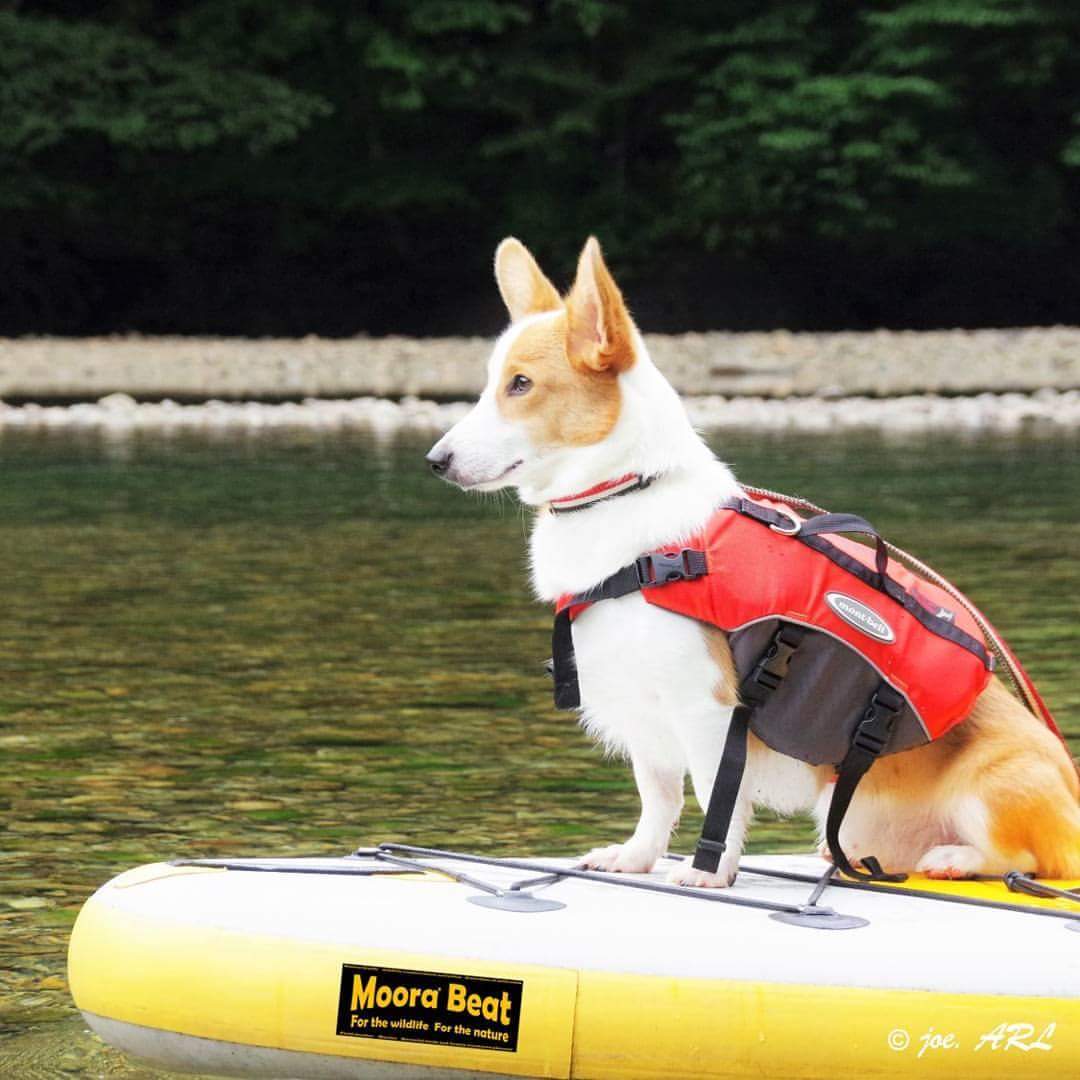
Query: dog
(572, 402)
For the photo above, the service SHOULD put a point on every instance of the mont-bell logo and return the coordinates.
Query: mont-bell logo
(856, 613)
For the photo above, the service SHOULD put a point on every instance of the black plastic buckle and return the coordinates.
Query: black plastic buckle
(666, 566)
(707, 854)
(872, 734)
(772, 668)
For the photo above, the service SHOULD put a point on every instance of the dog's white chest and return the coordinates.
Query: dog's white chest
(642, 670)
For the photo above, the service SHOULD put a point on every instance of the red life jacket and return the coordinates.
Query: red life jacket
(823, 631)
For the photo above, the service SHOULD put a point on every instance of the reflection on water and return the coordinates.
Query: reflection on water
(304, 643)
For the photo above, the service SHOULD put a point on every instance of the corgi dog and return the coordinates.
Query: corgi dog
(574, 405)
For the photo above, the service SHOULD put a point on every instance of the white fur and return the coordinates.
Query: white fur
(647, 678)
(488, 452)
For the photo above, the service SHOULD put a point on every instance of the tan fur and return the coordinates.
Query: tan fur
(1009, 760)
(720, 651)
(572, 360)
(1001, 755)
(567, 406)
(599, 330)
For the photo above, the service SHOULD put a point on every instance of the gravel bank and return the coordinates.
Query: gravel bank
(121, 416)
(770, 365)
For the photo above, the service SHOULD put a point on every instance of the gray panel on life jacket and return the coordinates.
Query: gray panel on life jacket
(813, 713)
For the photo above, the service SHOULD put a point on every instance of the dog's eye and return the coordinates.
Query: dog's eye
(519, 384)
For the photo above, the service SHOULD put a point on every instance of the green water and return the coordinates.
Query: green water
(301, 644)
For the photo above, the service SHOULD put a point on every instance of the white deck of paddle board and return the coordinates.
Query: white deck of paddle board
(917, 944)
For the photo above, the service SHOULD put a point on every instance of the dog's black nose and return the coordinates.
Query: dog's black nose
(439, 462)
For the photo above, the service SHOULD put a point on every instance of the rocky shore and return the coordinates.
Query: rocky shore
(1000, 380)
(121, 415)
(767, 365)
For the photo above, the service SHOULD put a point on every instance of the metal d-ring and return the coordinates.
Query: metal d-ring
(794, 528)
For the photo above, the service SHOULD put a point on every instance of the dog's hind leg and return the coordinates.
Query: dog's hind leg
(1025, 820)
(660, 786)
(997, 793)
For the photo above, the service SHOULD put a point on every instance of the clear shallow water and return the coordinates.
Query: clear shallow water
(303, 643)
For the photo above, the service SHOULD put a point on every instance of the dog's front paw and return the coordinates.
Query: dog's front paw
(621, 858)
(950, 861)
(683, 873)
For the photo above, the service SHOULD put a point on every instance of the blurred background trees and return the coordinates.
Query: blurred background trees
(244, 166)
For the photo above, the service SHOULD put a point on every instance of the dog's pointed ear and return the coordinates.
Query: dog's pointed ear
(522, 284)
(599, 333)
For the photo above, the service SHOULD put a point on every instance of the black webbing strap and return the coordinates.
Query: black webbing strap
(824, 524)
(767, 674)
(819, 525)
(712, 843)
(564, 664)
(867, 743)
(810, 533)
(645, 572)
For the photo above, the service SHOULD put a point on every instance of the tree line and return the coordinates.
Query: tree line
(244, 166)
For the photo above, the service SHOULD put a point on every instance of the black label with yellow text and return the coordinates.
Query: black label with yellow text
(429, 1007)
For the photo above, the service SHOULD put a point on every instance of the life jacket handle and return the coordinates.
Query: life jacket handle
(824, 524)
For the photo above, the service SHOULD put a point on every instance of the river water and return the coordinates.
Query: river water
(301, 643)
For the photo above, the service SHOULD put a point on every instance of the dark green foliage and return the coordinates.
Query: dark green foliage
(244, 166)
(69, 82)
